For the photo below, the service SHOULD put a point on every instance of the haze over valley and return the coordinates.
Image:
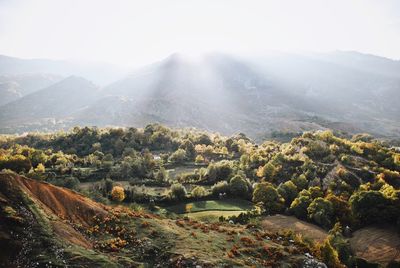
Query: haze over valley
(278, 92)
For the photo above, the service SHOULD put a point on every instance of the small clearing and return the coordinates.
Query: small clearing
(377, 244)
(281, 222)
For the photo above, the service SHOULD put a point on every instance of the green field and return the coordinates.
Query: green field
(211, 205)
(213, 215)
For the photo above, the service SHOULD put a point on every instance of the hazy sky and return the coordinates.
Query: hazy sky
(136, 32)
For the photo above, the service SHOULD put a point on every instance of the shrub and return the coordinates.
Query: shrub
(329, 255)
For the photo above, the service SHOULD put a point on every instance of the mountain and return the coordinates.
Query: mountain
(366, 62)
(276, 92)
(15, 86)
(280, 92)
(51, 106)
(99, 73)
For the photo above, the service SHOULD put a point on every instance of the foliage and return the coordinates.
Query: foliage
(198, 192)
(300, 205)
(220, 188)
(329, 255)
(358, 177)
(179, 156)
(267, 194)
(373, 207)
(321, 211)
(238, 186)
(288, 191)
(177, 191)
(118, 193)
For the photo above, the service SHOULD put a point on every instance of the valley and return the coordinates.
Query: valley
(159, 197)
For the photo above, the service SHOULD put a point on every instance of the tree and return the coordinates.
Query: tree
(268, 171)
(188, 146)
(179, 156)
(161, 175)
(267, 194)
(299, 206)
(118, 193)
(203, 139)
(199, 191)
(238, 186)
(220, 187)
(315, 192)
(17, 163)
(40, 168)
(108, 161)
(199, 159)
(321, 212)
(341, 208)
(373, 207)
(219, 171)
(177, 191)
(108, 185)
(38, 157)
(288, 191)
(300, 182)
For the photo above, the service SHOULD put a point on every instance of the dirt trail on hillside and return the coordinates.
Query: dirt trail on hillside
(64, 203)
(281, 222)
(377, 244)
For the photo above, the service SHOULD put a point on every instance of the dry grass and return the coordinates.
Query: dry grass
(281, 222)
(377, 244)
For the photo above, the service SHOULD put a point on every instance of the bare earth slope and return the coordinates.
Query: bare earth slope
(62, 202)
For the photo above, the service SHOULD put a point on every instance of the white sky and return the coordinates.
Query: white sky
(138, 32)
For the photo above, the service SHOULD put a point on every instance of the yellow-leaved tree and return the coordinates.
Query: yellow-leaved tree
(118, 193)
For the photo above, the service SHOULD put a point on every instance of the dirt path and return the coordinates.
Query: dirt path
(282, 222)
(377, 244)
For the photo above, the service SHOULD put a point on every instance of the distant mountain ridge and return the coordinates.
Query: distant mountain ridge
(57, 102)
(99, 73)
(345, 91)
(16, 86)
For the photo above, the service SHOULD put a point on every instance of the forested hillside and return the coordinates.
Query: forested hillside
(339, 184)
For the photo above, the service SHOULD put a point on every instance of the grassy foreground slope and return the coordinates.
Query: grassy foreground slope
(42, 224)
